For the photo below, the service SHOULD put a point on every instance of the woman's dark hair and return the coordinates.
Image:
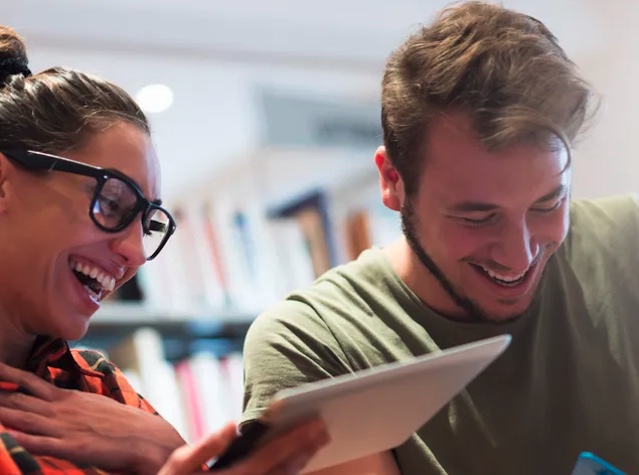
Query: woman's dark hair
(56, 109)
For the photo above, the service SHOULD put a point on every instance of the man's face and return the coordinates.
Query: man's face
(483, 224)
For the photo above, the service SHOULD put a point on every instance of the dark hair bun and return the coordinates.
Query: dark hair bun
(13, 55)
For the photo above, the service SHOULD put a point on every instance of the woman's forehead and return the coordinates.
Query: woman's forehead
(127, 149)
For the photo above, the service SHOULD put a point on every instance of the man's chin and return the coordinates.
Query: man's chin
(503, 311)
(495, 308)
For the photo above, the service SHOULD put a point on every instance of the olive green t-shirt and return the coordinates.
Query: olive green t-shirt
(567, 383)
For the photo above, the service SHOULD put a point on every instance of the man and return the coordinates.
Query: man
(480, 111)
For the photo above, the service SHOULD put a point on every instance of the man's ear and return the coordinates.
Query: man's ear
(390, 181)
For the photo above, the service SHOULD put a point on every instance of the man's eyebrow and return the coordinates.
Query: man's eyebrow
(554, 194)
(472, 206)
(479, 206)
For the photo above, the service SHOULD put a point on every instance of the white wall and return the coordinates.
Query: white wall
(608, 160)
(214, 55)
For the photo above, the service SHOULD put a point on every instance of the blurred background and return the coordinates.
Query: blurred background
(266, 117)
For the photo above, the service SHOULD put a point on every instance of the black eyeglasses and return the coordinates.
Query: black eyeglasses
(116, 201)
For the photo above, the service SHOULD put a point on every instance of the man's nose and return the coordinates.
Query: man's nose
(518, 248)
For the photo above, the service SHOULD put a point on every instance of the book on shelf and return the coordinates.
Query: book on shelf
(245, 256)
(197, 393)
(229, 260)
(305, 201)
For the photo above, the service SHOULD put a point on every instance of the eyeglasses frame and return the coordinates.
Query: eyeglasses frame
(40, 161)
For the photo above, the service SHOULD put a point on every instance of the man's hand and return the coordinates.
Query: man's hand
(84, 428)
(287, 454)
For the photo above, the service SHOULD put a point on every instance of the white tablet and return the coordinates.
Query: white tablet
(377, 409)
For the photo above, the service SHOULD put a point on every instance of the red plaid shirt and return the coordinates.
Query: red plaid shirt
(88, 371)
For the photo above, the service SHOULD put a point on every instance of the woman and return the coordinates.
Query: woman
(80, 212)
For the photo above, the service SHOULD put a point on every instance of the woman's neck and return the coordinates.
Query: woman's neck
(15, 343)
(17, 355)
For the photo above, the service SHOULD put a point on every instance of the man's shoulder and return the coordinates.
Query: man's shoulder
(339, 301)
(613, 207)
(608, 220)
(368, 266)
(332, 327)
(604, 236)
(347, 285)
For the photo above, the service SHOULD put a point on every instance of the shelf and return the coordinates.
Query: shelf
(183, 332)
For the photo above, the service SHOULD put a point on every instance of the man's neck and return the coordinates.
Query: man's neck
(419, 279)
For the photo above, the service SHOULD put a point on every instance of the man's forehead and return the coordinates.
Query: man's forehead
(456, 131)
(468, 172)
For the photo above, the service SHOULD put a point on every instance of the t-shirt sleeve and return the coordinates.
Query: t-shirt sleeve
(601, 249)
(610, 223)
(287, 346)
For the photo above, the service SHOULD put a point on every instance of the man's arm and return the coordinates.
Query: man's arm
(289, 346)
(286, 347)
(378, 464)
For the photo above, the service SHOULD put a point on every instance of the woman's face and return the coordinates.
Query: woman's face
(46, 233)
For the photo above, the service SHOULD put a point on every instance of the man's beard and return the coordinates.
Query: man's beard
(474, 313)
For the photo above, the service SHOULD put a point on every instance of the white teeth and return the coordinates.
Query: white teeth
(107, 282)
(95, 296)
(504, 278)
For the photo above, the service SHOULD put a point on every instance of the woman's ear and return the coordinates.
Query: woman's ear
(5, 168)
(390, 181)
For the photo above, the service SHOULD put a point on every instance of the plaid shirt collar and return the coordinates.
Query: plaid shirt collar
(49, 352)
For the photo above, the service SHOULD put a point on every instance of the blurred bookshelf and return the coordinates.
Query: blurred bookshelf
(183, 332)
(177, 329)
(270, 223)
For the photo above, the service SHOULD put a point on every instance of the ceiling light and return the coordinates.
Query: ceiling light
(154, 98)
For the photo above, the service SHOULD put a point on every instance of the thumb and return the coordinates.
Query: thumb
(190, 458)
(213, 444)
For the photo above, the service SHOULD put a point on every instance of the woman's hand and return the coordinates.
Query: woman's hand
(287, 454)
(84, 428)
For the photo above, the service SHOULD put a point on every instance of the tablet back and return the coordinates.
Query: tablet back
(378, 409)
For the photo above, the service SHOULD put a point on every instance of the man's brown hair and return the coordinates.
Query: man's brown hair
(504, 68)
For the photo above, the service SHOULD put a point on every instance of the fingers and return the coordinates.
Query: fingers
(288, 453)
(295, 465)
(213, 445)
(24, 402)
(29, 381)
(190, 458)
(28, 422)
(37, 444)
(58, 447)
(285, 455)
